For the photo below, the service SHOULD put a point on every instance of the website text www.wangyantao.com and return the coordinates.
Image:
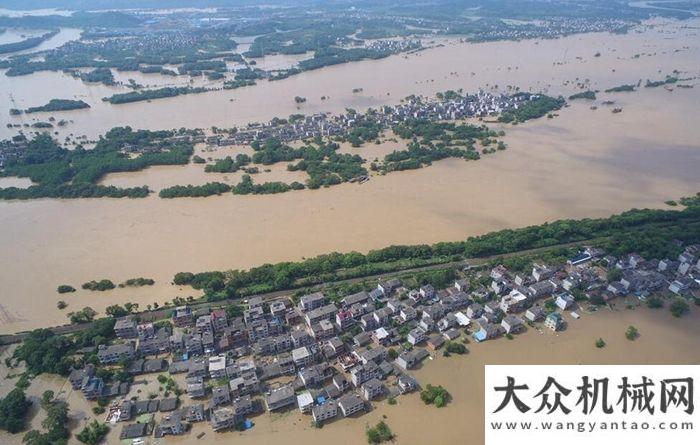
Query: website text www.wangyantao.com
(591, 427)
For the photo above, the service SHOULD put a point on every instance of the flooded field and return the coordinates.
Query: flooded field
(554, 66)
(663, 340)
(582, 163)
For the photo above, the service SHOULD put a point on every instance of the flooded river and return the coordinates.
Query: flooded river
(582, 163)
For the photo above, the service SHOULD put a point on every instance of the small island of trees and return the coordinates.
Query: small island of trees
(100, 286)
(59, 105)
(379, 433)
(590, 95)
(65, 288)
(435, 395)
(159, 93)
(28, 43)
(137, 282)
(101, 75)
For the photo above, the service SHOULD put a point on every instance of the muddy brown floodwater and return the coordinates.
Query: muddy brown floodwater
(581, 163)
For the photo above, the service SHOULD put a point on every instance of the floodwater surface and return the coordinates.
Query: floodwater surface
(581, 163)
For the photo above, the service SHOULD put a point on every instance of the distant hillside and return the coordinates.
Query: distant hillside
(108, 19)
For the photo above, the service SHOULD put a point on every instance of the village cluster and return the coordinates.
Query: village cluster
(553, 28)
(330, 359)
(452, 107)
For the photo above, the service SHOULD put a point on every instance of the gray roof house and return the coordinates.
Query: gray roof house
(172, 424)
(350, 404)
(114, 353)
(535, 313)
(409, 359)
(327, 411)
(280, 397)
(195, 413)
(372, 389)
(134, 431)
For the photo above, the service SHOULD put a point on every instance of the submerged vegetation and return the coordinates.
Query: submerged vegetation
(93, 433)
(65, 288)
(318, 158)
(658, 83)
(195, 191)
(228, 164)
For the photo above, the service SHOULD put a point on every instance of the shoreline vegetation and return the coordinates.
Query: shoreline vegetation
(59, 105)
(29, 43)
(100, 286)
